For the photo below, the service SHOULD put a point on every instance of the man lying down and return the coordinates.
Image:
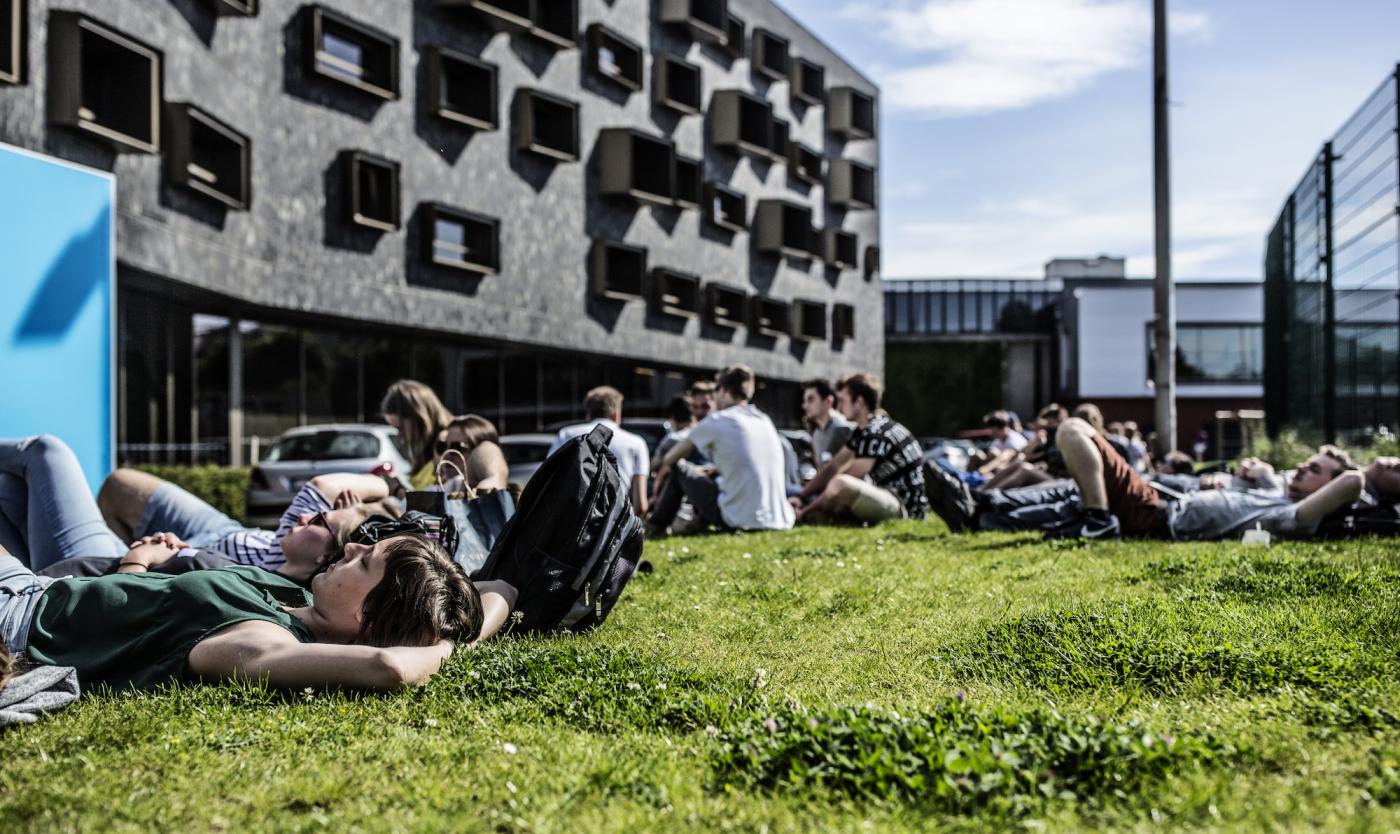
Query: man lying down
(381, 617)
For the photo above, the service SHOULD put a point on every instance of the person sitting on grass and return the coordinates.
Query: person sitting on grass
(745, 486)
(1118, 501)
(414, 409)
(878, 448)
(380, 617)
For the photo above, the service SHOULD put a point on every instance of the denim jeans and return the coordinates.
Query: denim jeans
(171, 509)
(20, 590)
(47, 506)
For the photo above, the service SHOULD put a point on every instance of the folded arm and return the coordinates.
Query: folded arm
(1335, 494)
(364, 488)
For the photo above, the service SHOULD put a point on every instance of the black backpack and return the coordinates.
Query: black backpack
(1365, 517)
(573, 542)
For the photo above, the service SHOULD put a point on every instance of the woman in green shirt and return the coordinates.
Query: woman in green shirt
(415, 410)
(381, 617)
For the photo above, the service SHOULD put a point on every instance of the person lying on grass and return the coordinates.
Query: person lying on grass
(47, 514)
(380, 618)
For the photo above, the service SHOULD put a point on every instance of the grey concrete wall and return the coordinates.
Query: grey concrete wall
(291, 251)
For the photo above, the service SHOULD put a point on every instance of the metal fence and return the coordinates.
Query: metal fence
(1332, 284)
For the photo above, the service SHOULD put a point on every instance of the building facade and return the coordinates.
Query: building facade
(512, 200)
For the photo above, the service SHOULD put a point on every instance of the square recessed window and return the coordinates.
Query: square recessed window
(675, 293)
(462, 89)
(808, 81)
(872, 261)
(770, 316)
(352, 53)
(12, 41)
(816, 244)
(619, 270)
(784, 228)
(770, 54)
(636, 165)
(677, 84)
(242, 8)
(615, 57)
(850, 184)
(804, 163)
(741, 121)
(781, 140)
(546, 125)
(704, 18)
(735, 36)
(207, 156)
(555, 22)
(512, 13)
(809, 320)
(103, 82)
(726, 207)
(689, 182)
(843, 322)
(372, 186)
(725, 306)
(842, 249)
(850, 113)
(462, 239)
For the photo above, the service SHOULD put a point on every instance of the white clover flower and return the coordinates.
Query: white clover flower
(748, 555)
(430, 722)
(510, 750)
(711, 730)
(770, 725)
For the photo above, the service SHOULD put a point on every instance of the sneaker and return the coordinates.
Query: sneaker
(950, 498)
(1100, 524)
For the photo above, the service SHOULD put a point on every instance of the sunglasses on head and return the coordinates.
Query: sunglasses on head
(442, 447)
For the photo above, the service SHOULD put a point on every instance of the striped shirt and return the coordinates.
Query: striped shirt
(262, 548)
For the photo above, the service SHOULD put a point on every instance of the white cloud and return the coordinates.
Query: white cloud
(978, 56)
(1219, 234)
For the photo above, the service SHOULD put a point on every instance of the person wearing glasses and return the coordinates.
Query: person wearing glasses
(469, 445)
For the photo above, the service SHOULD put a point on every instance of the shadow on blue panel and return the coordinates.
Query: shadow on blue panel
(80, 268)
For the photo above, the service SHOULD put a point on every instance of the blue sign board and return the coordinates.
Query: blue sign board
(57, 306)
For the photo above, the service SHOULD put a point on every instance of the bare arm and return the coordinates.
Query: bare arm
(683, 449)
(258, 650)
(365, 487)
(639, 495)
(497, 600)
(838, 464)
(1337, 493)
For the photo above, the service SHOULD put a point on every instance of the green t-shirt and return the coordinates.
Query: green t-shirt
(136, 630)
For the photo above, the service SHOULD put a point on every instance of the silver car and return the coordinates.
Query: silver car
(303, 453)
(525, 453)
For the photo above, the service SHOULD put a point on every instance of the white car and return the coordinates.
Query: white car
(525, 453)
(303, 453)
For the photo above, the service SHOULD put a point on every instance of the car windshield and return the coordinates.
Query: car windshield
(517, 453)
(324, 445)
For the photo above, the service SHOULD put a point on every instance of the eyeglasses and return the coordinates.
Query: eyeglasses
(319, 520)
(442, 447)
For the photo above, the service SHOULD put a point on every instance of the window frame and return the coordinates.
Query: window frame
(596, 38)
(351, 160)
(619, 165)
(238, 8)
(774, 224)
(687, 190)
(602, 283)
(764, 316)
(14, 53)
(318, 17)
(727, 110)
(553, 37)
(872, 260)
(843, 322)
(842, 104)
(842, 177)
(801, 160)
(803, 70)
(1207, 326)
(66, 106)
(435, 211)
(804, 312)
(499, 14)
(714, 191)
(835, 243)
(439, 59)
(661, 86)
(682, 13)
(525, 128)
(726, 306)
(179, 154)
(664, 299)
(736, 36)
(766, 44)
(780, 140)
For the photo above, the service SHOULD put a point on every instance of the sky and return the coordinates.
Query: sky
(1015, 131)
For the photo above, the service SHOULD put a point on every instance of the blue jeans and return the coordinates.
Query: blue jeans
(171, 509)
(47, 512)
(20, 590)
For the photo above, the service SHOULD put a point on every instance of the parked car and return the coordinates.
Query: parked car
(524, 454)
(650, 429)
(303, 453)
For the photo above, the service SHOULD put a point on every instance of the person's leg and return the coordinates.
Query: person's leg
(19, 593)
(171, 509)
(667, 503)
(62, 519)
(14, 512)
(1106, 483)
(122, 498)
(700, 490)
(873, 504)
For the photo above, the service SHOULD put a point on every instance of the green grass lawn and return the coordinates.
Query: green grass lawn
(893, 678)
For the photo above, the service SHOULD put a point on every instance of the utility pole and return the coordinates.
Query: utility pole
(1164, 299)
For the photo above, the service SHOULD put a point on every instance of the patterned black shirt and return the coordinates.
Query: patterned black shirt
(899, 461)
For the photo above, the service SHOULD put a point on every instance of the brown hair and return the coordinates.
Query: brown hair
(603, 402)
(1179, 463)
(423, 598)
(475, 428)
(1089, 413)
(864, 386)
(736, 381)
(1053, 411)
(421, 416)
(997, 420)
(7, 667)
(1338, 454)
(700, 387)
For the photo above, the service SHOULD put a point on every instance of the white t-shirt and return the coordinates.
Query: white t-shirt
(748, 454)
(630, 449)
(1014, 440)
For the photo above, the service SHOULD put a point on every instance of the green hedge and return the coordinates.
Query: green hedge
(224, 487)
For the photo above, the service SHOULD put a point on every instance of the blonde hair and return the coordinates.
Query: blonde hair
(421, 416)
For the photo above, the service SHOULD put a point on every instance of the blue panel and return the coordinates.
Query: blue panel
(56, 317)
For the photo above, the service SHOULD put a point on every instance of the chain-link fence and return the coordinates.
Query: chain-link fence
(1332, 284)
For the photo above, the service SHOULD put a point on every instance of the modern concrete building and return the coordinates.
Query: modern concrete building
(512, 200)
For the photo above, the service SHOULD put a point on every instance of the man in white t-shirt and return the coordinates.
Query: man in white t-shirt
(603, 405)
(746, 487)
